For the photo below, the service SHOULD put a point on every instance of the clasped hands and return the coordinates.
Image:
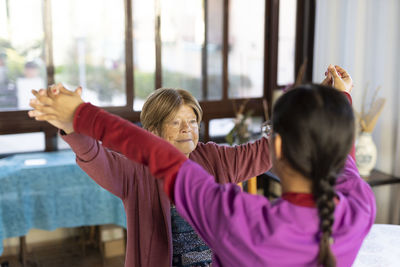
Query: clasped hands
(56, 105)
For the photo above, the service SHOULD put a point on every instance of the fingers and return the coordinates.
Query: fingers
(78, 91)
(343, 73)
(41, 116)
(64, 90)
(43, 109)
(56, 89)
(35, 93)
(34, 113)
(43, 92)
(34, 103)
(45, 117)
(53, 90)
(44, 100)
(327, 81)
(333, 72)
(59, 88)
(41, 97)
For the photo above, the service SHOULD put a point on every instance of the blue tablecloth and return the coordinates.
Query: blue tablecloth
(47, 191)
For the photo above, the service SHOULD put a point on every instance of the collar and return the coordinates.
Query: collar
(300, 199)
(303, 199)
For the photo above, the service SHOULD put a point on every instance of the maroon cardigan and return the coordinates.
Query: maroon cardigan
(147, 207)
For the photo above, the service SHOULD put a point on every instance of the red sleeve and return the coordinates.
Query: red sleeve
(348, 97)
(139, 145)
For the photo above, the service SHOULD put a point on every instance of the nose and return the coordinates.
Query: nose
(186, 127)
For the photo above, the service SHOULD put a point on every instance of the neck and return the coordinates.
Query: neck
(296, 185)
(294, 182)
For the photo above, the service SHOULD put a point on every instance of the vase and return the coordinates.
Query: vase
(365, 154)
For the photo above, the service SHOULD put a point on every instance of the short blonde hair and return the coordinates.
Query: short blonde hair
(165, 102)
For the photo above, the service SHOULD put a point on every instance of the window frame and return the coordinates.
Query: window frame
(14, 122)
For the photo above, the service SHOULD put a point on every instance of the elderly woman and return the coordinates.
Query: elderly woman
(156, 234)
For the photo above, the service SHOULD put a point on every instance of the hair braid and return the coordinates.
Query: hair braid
(324, 195)
(316, 127)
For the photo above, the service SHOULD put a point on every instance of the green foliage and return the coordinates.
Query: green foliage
(12, 59)
(15, 58)
(144, 84)
(104, 81)
(240, 132)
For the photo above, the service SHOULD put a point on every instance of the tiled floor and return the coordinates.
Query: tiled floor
(69, 254)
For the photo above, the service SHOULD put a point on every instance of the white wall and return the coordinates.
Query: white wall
(363, 36)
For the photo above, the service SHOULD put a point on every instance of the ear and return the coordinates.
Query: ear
(277, 142)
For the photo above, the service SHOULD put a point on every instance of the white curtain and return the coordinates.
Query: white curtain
(363, 36)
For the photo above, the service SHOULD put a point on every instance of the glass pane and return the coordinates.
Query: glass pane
(88, 38)
(219, 128)
(15, 143)
(246, 48)
(214, 49)
(182, 37)
(144, 50)
(22, 65)
(286, 44)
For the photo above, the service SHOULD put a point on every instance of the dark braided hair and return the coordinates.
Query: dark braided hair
(316, 124)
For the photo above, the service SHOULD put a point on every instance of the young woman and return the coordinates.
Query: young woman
(326, 209)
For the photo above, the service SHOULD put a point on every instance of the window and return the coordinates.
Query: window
(182, 38)
(22, 66)
(219, 50)
(88, 50)
(214, 54)
(16, 143)
(286, 48)
(246, 48)
(143, 50)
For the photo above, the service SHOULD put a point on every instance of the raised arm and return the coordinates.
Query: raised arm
(234, 164)
(111, 170)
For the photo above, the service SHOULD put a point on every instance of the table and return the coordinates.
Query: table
(381, 247)
(378, 178)
(48, 191)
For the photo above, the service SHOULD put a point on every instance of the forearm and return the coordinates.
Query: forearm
(109, 169)
(252, 159)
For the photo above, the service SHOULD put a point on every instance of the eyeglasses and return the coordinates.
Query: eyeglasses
(179, 123)
(266, 129)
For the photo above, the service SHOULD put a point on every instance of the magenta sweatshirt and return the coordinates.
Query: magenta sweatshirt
(241, 229)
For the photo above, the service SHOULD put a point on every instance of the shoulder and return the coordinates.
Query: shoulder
(208, 150)
(203, 148)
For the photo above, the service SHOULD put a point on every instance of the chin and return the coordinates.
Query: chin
(186, 149)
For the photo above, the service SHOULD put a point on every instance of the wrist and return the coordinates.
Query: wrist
(67, 129)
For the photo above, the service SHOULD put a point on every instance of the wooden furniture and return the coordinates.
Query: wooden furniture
(378, 178)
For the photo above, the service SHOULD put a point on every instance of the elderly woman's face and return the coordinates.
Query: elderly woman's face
(182, 130)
